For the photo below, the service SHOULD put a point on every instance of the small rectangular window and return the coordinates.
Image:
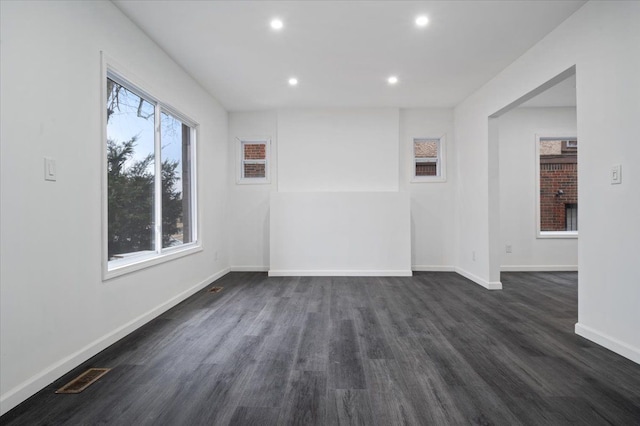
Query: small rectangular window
(254, 161)
(427, 159)
(557, 181)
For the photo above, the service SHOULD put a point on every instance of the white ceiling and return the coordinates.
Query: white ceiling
(343, 51)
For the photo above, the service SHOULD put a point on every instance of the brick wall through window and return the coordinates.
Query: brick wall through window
(255, 151)
(425, 154)
(256, 170)
(558, 186)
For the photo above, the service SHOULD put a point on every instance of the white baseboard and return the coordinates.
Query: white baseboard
(339, 273)
(433, 268)
(24, 390)
(609, 342)
(495, 285)
(538, 268)
(249, 268)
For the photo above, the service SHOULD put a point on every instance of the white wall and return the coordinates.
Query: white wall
(338, 150)
(517, 131)
(340, 233)
(55, 309)
(249, 203)
(601, 40)
(432, 203)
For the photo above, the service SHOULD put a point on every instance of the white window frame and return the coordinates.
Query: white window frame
(548, 136)
(145, 259)
(241, 142)
(441, 161)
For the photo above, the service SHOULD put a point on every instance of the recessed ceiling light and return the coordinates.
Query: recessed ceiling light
(276, 24)
(422, 20)
(392, 80)
(293, 81)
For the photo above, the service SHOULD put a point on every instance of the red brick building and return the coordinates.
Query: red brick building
(558, 185)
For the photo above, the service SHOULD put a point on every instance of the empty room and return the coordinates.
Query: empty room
(320, 212)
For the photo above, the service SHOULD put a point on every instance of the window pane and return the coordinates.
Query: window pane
(255, 151)
(425, 149)
(558, 185)
(254, 170)
(176, 182)
(426, 155)
(130, 173)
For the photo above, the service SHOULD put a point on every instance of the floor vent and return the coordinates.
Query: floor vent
(83, 381)
(215, 289)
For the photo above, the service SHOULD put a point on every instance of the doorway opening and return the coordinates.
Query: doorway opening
(533, 181)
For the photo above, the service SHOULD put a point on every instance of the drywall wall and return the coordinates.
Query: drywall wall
(340, 233)
(517, 133)
(432, 203)
(55, 309)
(338, 150)
(601, 40)
(249, 203)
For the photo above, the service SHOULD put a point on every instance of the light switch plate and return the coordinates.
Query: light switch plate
(616, 174)
(49, 169)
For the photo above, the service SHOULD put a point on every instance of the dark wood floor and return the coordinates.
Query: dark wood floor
(434, 349)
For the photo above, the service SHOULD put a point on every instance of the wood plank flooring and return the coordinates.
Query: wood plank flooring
(433, 349)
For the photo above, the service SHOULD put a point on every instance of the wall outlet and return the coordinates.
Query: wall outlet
(473, 255)
(215, 256)
(508, 248)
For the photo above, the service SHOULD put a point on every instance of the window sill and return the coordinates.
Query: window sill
(137, 263)
(434, 179)
(558, 234)
(253, 182)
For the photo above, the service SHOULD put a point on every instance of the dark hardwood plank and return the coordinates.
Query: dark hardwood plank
(372, 338)
(267, 385)
(254, 416)
(313, 354)
(345, 362)
(350, 407)
(306, 399)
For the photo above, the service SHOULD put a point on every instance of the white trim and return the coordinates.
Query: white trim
(489, 285)
(157, 181)
(339, 273)
(441, 160)
(249, 268)
(104, 177)
(240, 180)
(548, 135)
(24, 390)
(433, 268)
(539, 268)
(152, 259)
(613, 344)
(558, 234)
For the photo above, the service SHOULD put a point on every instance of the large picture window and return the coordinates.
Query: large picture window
(150, 194)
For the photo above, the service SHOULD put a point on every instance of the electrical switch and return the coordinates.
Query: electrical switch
(49, 169)
(616, 174)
